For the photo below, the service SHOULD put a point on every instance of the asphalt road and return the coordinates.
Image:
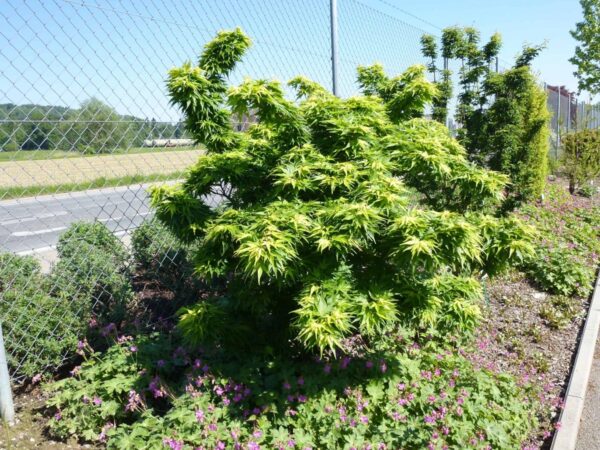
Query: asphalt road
(33, 225)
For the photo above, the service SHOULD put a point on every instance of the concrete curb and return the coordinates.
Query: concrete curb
(566, 437)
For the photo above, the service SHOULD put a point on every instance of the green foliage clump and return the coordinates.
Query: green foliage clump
(503, 117)
(92, 271)
(139, 396)
(567, 243)
(343, 215)
(39, 330)
(581, 157)
(161, 255)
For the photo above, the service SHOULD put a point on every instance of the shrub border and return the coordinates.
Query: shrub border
(565, 437)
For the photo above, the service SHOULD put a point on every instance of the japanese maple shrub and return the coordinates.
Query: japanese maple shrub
(341, 216)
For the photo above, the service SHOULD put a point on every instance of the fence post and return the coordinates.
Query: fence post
(569, 113)
(7, 409)
(334, 46)
(557, 124)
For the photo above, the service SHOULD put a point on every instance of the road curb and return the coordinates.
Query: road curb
(565, 438)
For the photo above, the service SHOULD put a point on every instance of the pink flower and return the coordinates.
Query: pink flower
(369, 364)
(200, 415)
(97, 401)
(133, 349)
(36, 378)
(383, 367)
(286, 386)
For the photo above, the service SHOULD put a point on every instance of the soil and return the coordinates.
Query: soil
(517, 337)
(28, 431)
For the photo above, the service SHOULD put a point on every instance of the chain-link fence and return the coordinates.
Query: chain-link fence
(568, 114)
(86, 126)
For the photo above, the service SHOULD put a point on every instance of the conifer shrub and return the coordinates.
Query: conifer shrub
(581, 155)
(503, 117)
(92, 271)
(39, 330)
(344, 216)
(161, 255)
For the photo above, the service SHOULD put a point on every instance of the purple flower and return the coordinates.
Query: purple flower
(327, 368)
(300, 381)
(364, 419)
(156, 388)
(253, 446)
(291, 443)
(173, 444)
(97, 401)
(302, 398)
(369, 364)
(212, 427)
(200, 415)
(257, 434)
(429, 419)
(160, 363)
(133, 349)
(383, 367)
(134, 401)
(220, 445)
(345, 362)
(286, 386)
(57, 416)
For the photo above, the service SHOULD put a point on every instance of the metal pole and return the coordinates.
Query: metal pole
(569, 113)
(497, 71)
(334, 47)
(7, 409)
(557, 124)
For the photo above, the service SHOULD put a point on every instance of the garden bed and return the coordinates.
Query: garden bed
(518, 336)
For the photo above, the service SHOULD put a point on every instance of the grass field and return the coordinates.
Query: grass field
(32, 191)
(36, 155)
(47, 176)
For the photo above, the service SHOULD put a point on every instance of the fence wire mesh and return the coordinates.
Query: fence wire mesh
(86, 127)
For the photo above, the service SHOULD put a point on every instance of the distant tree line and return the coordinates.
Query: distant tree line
(95, 127)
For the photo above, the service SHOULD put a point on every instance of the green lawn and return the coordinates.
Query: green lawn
(30, 191)
(31, 155)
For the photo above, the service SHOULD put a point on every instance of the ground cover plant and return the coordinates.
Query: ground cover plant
(567, 242)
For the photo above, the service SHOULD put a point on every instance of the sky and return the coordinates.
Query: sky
(62, 52)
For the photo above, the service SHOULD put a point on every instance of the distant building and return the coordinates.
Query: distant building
(168, 142)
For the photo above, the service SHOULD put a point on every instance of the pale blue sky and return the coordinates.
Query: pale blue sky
(65, 51)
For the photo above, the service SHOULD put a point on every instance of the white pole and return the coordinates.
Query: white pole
(334, 47)
(7, 409)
